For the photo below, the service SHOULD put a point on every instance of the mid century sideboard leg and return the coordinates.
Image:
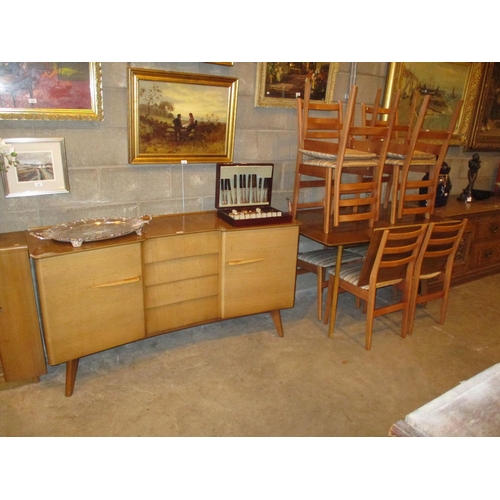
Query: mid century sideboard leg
(276, 315)
(71, 369)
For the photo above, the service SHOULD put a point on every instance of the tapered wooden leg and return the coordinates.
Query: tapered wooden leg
(276, 315)
(335, 296)
(71, 369)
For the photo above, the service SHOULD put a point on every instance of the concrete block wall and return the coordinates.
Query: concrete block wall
(102, 183)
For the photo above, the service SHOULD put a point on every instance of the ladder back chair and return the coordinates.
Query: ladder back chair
(359, 151)
(426, 154)
(377, 115)
(435, 260)
(390, 259)
(319, 126)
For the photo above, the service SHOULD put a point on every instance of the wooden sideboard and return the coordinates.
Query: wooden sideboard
(479, 253)
(182, 271)
(21, 352)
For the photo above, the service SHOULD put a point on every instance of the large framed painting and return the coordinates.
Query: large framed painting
(485, 131)
(280, 83)
(50, 91)
(181, 117)
(40, 167)
(446, 83)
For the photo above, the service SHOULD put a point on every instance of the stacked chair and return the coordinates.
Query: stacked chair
(416, 165)
(323, 155)
(333, 154)
(340, 170)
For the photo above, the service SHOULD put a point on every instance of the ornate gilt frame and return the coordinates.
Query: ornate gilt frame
(486, 120)
(261, 100)
(471, 87)
(27, 83)
(152, 137)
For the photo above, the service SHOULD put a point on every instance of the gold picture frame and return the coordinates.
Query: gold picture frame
(446, 82)
(156, 98)
(279, 84)
(485, 131)
(40, 167)
(51, 91)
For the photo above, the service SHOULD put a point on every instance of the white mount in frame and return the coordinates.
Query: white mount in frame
(41, 167)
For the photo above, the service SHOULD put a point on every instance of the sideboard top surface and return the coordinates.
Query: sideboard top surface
(160, 226)
(455, 208)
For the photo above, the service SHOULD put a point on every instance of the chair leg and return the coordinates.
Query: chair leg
(335, 291)
(370, 315)
(329, 298)
(328, 201)
(320, 274)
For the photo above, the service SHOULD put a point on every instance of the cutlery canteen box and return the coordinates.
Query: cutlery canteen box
(243, 195)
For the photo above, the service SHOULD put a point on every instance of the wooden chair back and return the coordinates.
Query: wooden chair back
(436, 259)
(392, 255)
(377, 115)
(439, 248)
(319, 123)
(418, 196)
(359, 199)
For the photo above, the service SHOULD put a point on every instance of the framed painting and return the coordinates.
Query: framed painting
(446, 83)
(280, 83)
(485, 131)
(180, 117)
(40, 168)
(50, 91)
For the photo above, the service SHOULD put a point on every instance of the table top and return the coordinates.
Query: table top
(350, 233)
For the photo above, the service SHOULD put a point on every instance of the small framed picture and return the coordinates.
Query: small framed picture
(40, 168)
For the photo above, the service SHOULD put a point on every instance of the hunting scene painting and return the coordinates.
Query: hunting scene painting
(181, 116)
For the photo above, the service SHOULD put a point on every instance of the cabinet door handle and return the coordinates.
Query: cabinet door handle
(126, 281)
(241, 262)
(488, 254)
(494, 228)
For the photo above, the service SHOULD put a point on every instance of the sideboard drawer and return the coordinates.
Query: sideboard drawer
(487, 227)
(485, 254)
(181, 278)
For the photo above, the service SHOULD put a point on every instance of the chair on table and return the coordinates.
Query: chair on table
(318, 262)
(358, 151)
(415, 193)
(319, 126)
(377, 115)
(435, 260)
(391, 259)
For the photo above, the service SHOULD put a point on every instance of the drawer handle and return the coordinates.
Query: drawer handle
(241, 262)
(494, 228)
(488, 254)
(126, 281)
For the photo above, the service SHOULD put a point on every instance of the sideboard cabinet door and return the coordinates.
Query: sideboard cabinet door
(258, 270)
(91, 301)
(21, 350)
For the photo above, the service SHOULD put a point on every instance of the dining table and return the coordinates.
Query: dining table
(351, 233)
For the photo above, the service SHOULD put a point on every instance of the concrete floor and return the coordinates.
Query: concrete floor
(238, 378)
